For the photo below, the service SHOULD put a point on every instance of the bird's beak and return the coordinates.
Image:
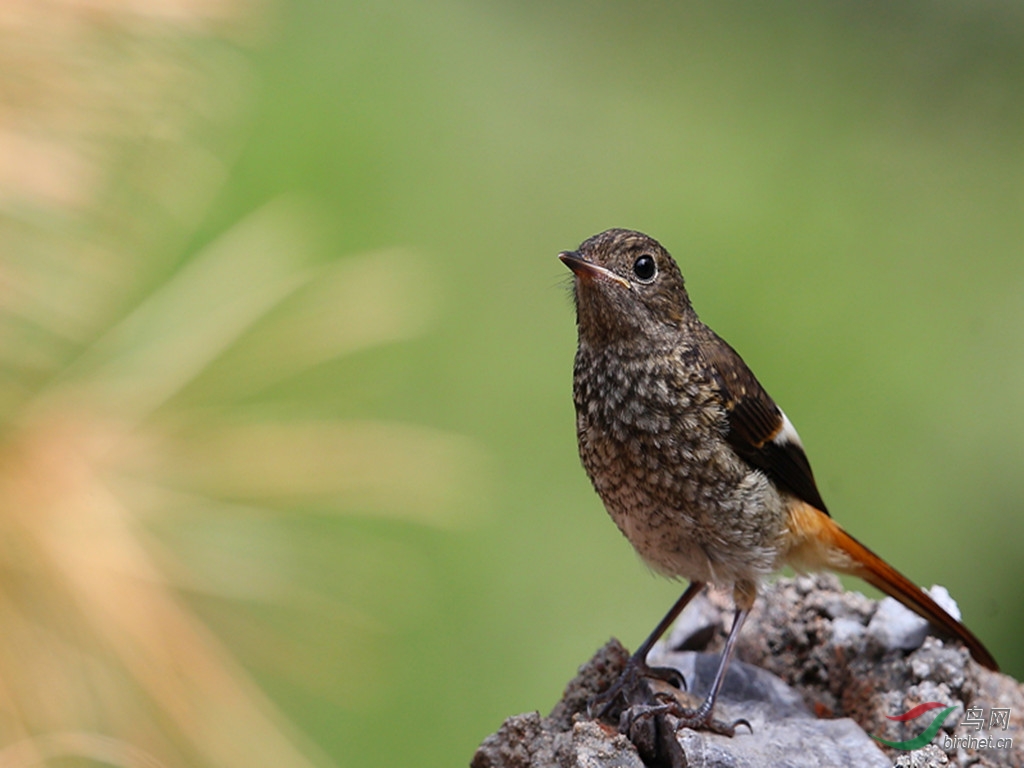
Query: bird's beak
(588, 271)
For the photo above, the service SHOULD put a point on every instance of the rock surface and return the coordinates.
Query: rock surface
(817, 669)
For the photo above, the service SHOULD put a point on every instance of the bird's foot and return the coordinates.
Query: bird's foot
(652, 729)
(632, 688)
(698, 719)
(650, 719)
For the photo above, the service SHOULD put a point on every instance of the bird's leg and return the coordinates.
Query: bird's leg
(700, 718)
(744, 594)
(630, 686)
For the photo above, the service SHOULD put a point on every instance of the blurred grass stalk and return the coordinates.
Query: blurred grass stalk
(118, 121)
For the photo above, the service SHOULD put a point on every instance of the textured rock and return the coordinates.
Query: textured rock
(783, 731)
(894, 626)
(792, 632)
(926, 757)
(817, 669)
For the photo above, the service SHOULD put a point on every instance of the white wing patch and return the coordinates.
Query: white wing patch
(787, 435)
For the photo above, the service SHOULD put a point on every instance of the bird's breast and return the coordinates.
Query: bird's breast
(651, 438)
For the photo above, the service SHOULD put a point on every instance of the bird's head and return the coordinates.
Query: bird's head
(626, 285)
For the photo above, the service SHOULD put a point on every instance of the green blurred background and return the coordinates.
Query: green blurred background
(389, 531)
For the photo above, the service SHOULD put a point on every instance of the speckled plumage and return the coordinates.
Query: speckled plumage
(652, 439)
(652, 426)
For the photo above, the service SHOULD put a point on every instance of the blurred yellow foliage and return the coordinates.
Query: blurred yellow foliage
(104, 170)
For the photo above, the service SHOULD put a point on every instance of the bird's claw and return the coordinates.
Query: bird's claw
(632, 688)
(698, 720)
(694, 719)
(634, 714)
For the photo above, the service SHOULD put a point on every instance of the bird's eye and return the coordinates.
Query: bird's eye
(644, 268)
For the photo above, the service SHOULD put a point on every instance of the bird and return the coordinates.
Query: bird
(696, 464)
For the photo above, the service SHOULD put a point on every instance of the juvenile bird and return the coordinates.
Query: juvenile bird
(696, 464)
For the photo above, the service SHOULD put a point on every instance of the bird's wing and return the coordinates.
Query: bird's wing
(758, 429)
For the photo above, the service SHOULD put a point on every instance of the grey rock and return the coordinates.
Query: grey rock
(811, 679)
(790, 743)
(927, 757)
(894, 626)
(593, 747)
(744, 683)
(941, 596)
(783, 731)
(520, 740)
(846, 631)
(897, 627)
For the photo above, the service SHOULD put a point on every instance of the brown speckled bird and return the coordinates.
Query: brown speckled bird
(696, 464)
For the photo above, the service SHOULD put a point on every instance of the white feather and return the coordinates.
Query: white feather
(788, 432)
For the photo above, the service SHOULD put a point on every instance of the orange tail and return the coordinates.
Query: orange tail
(820, 542)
